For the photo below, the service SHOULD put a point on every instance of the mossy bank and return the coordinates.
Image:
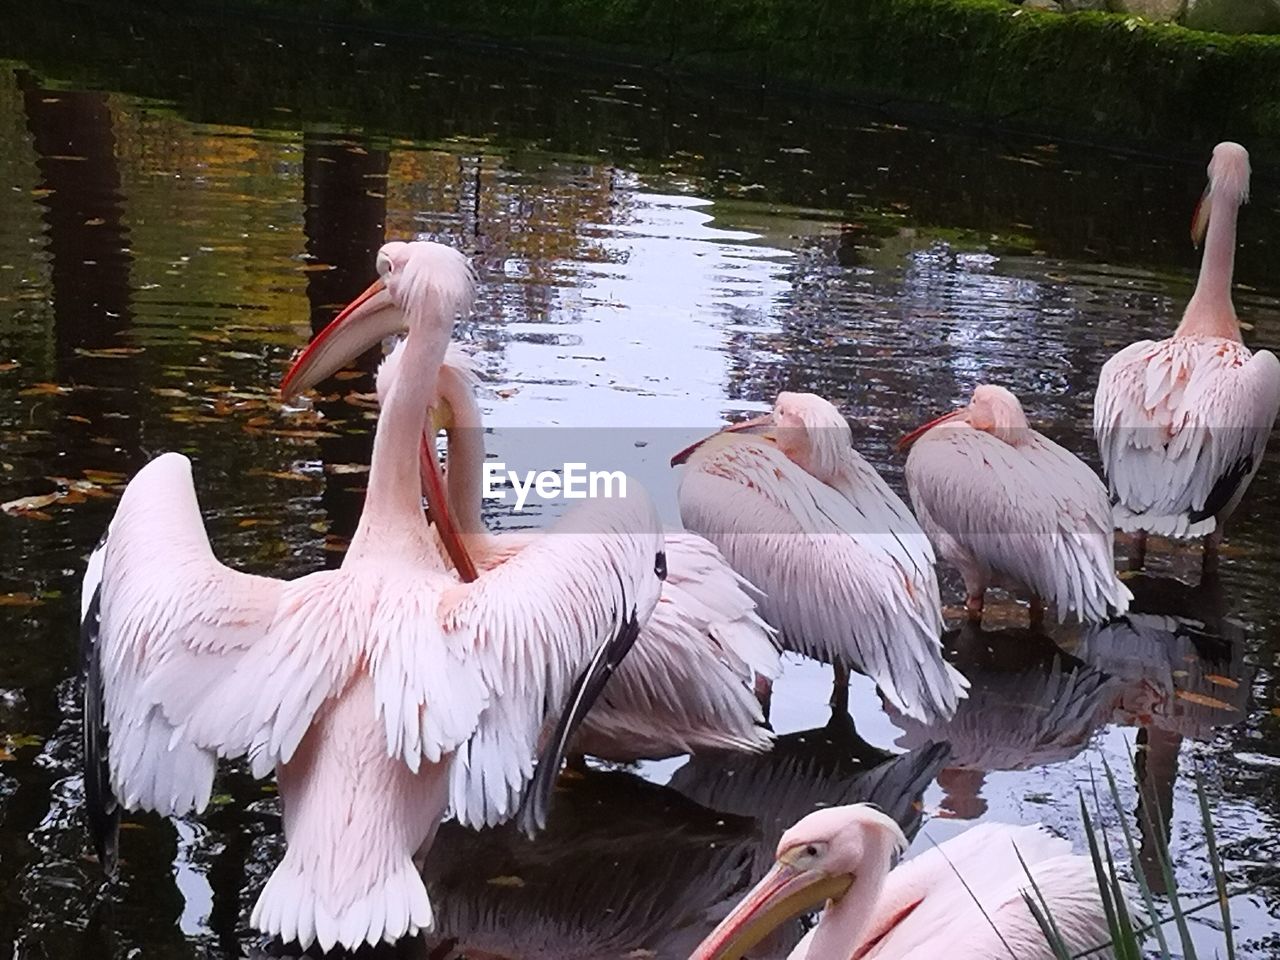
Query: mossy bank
(1091, 75)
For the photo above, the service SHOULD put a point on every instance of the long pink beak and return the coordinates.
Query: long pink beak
(365, 321)
(921, 430)
(1200, 218)
(783, 893)
(754, 424)
(368, 319)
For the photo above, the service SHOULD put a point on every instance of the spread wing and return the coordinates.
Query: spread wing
(844, 579)
(547, 629)
(1033, 513)
(1181, 426)
(164, 623)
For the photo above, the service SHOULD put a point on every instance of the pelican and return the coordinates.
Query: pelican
(962, 899)
(359, 686)
(1009, 507)
(690, 681)
(847, 573)
(1182, 423)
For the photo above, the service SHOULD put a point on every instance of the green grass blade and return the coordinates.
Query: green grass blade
(1166, 869)
(1047, 926)
(1148, 899)
(1104, 888)
(1215, 861)
(1056, 941)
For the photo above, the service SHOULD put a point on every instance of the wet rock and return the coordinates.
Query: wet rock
(1234, 16)
(1160, 11)
(1052, 6)
(1077, 6)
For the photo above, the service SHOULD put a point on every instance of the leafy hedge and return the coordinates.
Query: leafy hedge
(1093, 74)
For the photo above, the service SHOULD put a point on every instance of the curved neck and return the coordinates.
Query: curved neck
(1210, 312)
(465, 462)
(845, 921)
(392, 519)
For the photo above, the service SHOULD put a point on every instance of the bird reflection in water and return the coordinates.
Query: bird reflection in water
(629, 868)
(1030, 704)
(1178, 671)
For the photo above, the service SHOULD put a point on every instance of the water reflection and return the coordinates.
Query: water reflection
(651, 255)
(1178, 669)
(1030, 704)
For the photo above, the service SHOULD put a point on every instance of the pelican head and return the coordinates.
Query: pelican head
(421, 288)
(809, 430)
(992, 409)
(420, 285)
(830, 855)
(1228, 185)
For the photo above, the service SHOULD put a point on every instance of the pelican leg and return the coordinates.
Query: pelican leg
(840, 689)
(973, 606)
(1037, 611)
(1138, 558)
(1209, 558)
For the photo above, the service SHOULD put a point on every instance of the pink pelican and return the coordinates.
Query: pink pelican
(1182, 423)
(1009, 507)
(847, 573)
(962, 899)
(690, 681)
(360, 685)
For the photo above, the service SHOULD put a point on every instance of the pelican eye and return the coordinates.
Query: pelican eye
(811, 850)
(660, 565)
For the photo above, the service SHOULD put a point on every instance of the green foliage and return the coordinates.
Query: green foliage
(1101, 75)
(1126, 930)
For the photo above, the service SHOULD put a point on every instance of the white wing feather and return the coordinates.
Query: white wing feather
(846, 575)
(532, 623)
(1034, 515)
(1181, 426)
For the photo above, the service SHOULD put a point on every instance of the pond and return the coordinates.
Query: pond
(183, 200)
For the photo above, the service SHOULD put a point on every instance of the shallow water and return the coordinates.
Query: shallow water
(181, 202)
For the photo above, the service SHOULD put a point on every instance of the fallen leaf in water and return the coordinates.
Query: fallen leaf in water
(258, 522)
(5, 755)
(44, 390)
(505, 881)
(6, 367)
(73, 496)
(348, 375)
(1275, 711)
(1220, 681)
(29, 504)
(19, 600)
(320, 526)
(169, 392)
(94, 222)
(220, 799)
(104, 477)
(75, 418)
(210, 337)
(365, 401)
(109, 353)
(6, 466)
(345, 468)
(289, 475)
(303, 434)
(316, 267)
(1203, 700)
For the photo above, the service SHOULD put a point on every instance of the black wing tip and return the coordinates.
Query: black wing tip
(1224, 488)
(536, 809)
(102, 810)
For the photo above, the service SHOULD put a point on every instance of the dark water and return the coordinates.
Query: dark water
(181, 202)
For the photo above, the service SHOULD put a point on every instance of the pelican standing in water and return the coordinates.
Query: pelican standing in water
(962, 899)
(847, 573)
(690, 682)
(1009, 507)
(360, 685)
(1182, 423)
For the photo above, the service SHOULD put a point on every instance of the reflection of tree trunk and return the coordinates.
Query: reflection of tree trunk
(88, 245)
(346, 208)
(1156, 766)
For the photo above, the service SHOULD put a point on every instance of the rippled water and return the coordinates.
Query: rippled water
(181, 202)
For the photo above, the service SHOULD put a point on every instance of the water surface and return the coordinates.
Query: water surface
(183, 201)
